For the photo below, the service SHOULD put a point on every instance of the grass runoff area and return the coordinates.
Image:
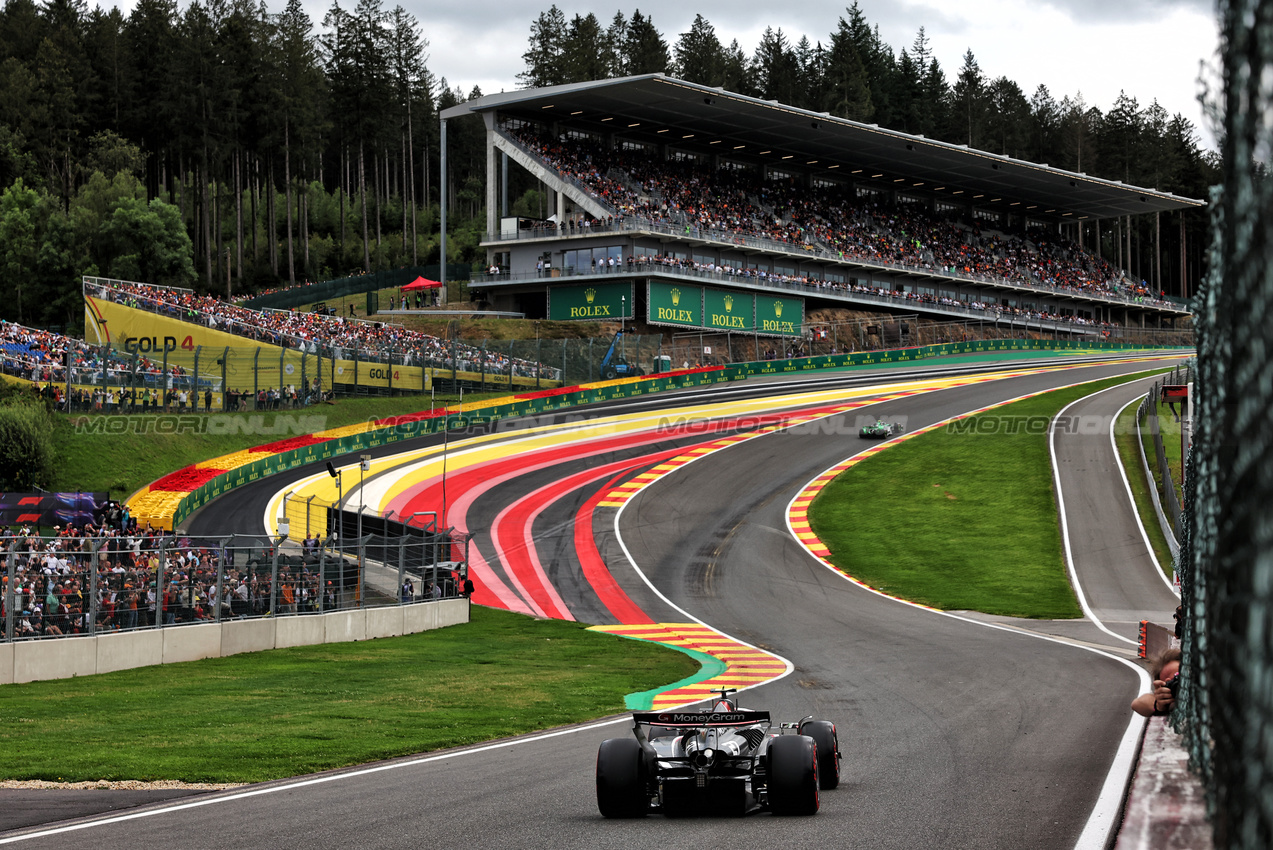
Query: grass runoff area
(1129, 450)
(961, 518)
(280, 713)
(94, 458)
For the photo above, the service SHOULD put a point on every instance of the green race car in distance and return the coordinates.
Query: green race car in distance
(880, 430)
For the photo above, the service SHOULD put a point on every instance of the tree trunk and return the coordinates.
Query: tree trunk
(362, 191)
(271, 213)
(253, 196)
(344, 193)
(287, 179)
(238, 215)
(205, 226)
(304, 199)
(410, 158)
(403, 197)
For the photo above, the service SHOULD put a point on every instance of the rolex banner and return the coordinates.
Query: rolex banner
(590, 301)
(675, 304)
(729, 311)
(783, 316)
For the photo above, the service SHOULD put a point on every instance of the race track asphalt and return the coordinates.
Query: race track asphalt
(955, 734)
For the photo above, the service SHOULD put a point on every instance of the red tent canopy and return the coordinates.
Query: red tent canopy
(421, 283)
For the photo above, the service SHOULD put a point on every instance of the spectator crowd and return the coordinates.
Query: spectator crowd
(56, 594)
(826, 221)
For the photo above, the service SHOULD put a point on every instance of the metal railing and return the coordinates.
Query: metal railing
(104, 585)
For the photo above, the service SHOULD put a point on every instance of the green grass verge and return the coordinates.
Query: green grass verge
(97, 461)
(268, 715)
(961, 518)
(1129, 452)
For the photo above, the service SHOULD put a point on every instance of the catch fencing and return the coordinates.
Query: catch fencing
(85, 586)
(1148, 416)
(1225, 709)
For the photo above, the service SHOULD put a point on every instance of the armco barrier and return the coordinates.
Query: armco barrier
(480, 413)
(65, 658)
(906, 355)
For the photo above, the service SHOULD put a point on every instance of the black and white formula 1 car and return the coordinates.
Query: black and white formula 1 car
(723, 761)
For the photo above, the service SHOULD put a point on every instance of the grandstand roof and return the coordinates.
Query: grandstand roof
(659, 109)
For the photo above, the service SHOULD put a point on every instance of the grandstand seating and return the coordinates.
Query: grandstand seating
(824, 221)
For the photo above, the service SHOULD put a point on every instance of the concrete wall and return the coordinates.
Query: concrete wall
(64, 658)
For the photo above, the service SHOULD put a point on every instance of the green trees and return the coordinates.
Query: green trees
(26, 444)
(287, 149)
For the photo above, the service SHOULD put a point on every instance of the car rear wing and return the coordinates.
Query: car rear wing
(739, 717)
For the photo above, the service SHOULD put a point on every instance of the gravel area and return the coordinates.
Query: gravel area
(124, 785)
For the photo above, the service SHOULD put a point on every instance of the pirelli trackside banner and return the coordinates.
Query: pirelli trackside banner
(591, 301)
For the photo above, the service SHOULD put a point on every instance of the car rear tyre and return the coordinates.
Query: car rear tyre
(621, 791)
(823, 734)
(793, 775)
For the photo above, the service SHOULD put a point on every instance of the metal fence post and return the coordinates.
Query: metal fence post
(256, 377)
(402, 567)
(11, 558)
(225, 391)
(362, 571)
(274, 582)
(220, 581)
(93, 575)
(159, 583)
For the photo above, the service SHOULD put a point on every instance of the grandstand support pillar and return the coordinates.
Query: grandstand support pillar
(492, 182)
(442, 206)
(503, 183)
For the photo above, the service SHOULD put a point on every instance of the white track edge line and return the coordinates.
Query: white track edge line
(1122, 470)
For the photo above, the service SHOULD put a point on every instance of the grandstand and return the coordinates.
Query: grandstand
(696, 209)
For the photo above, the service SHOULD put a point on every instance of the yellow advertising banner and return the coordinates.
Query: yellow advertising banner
(150, 334)
(364, 374)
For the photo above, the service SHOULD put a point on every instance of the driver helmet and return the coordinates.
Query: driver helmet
(723, 706)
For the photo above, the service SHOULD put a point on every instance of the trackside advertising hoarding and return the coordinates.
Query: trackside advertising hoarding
(591, 301)
(724, 310)
(674, 304)
(782, 316)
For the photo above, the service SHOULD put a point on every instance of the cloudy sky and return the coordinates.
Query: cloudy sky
(1151, 49)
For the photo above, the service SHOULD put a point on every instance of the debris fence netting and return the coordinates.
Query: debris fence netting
(1226, 556)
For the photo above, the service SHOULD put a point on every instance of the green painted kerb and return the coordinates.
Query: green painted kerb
(711, 666)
